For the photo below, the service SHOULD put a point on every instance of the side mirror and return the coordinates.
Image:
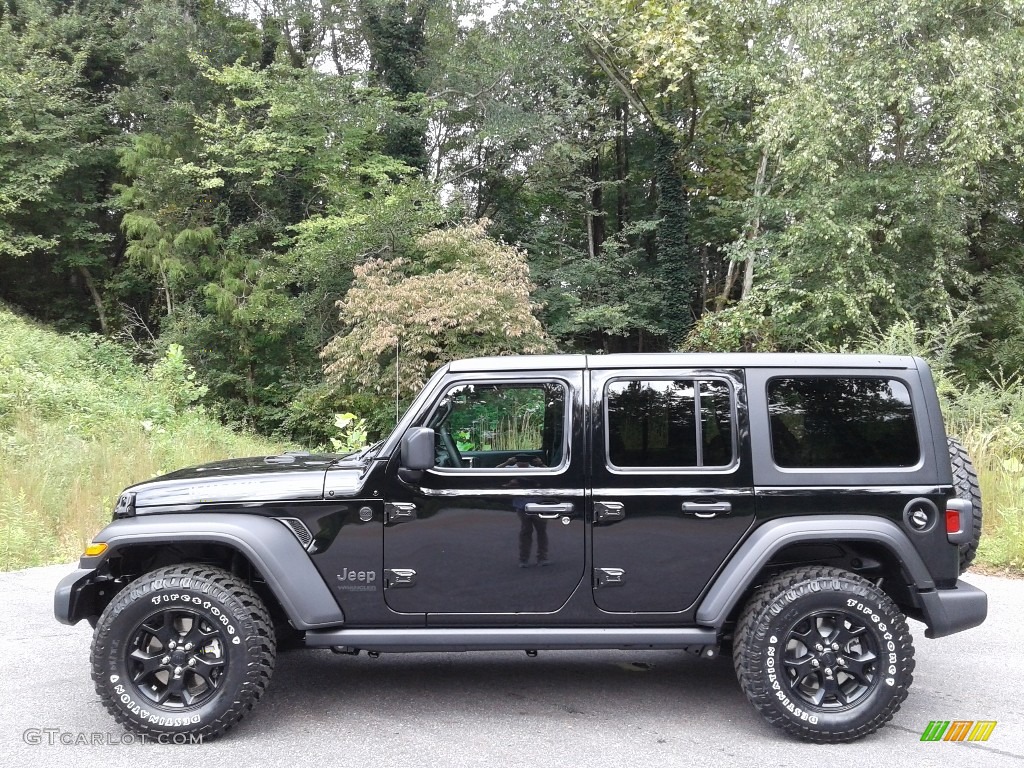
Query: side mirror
(418, 449)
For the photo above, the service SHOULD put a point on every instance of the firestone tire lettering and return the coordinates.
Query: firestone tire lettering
(764, 628)
(220, 600)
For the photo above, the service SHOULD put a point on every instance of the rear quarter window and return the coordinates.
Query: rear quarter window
(842, 423)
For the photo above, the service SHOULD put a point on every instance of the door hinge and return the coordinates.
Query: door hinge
(399, 512)
(609, 511)
(399, 577)
(609, 577)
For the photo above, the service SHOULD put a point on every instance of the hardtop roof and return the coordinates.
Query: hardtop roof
(802, 360)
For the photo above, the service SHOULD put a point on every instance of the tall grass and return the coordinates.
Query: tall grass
(521, 431)
(987, 417)
(1001, 475)
(79, 422)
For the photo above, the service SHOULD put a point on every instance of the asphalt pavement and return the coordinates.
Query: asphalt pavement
(583, 709)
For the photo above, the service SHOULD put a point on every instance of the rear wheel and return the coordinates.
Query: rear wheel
(823, 654)
(965, 483)
(183, 651)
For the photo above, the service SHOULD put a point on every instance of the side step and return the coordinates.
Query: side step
(415, 640)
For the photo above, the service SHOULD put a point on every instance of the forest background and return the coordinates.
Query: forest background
(219, 220)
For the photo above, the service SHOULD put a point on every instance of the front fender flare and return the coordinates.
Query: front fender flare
(270, 547)
(773, 536)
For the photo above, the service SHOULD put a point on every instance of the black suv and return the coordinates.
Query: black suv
(792, 509)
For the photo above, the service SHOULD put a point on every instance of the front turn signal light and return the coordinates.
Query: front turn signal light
(95, 549)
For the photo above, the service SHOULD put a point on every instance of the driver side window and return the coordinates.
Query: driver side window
(499, 426)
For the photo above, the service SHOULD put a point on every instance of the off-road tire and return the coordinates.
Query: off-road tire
(230, 657)
(965, 484)
(774, 666)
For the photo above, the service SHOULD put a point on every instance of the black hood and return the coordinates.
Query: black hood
(259, 478)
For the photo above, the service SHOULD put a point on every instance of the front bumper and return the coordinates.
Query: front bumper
(946, 611)
(75, 597)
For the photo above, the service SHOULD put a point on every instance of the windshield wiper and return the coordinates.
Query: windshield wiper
(370, 450)
(360, 454)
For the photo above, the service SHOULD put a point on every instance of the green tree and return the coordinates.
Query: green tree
(529, 133)
(650, 51)
(466, 295)
(395, 34)
(59, 240)
(885, 133)
(237, 226)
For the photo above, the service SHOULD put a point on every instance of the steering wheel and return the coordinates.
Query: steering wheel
(448, 446)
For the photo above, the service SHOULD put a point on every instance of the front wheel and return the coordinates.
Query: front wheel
(183, 651)
(823, 654)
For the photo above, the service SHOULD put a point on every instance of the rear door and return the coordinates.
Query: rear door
(672, 484)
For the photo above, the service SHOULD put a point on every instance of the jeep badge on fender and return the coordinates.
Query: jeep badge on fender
(792, 508)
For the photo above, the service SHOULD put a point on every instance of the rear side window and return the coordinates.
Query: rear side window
(669, 423)
(855, 422)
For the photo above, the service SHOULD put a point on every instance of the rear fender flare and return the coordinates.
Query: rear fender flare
(771, 537)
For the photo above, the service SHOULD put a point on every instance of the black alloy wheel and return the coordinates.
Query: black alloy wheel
(830, 660)
(177, 658)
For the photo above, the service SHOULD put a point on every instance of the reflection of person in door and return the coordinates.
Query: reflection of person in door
(527, 525)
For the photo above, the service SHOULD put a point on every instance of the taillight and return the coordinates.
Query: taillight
(958, 520)
(952, 521)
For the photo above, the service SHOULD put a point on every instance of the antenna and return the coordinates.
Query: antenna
(398, 355)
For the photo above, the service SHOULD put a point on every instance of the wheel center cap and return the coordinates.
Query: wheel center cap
(828, 659)
(178, 658)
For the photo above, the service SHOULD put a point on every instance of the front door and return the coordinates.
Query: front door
(497, 526)
(673, 491)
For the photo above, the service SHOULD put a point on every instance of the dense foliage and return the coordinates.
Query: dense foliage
(286, 185)
(462, 294)
(78, 422)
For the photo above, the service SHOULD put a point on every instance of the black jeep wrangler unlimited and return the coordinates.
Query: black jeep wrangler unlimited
(793, 508)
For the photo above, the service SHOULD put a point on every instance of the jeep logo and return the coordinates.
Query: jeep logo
(366, 577)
